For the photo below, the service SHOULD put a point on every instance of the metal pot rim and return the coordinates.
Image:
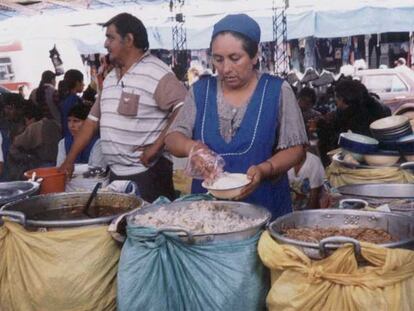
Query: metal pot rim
(216, 236)
(34, 187)
(70, 223)
(279, 237)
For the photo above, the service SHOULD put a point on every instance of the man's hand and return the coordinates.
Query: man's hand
(67, 168)
(149, 153)
(256, 175)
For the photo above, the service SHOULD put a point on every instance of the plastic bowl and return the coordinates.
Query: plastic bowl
(358, 144)
(228, 186)
(382, 158)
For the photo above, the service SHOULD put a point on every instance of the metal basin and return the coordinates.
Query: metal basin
(399, 226)
(390, 191)
(241, 208)
(399, 197)
(63, 210)
(16, 190)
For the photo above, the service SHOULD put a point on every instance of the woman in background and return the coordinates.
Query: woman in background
(46, 98)
(70, 86)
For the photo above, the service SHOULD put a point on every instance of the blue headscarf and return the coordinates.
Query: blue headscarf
(240, 23)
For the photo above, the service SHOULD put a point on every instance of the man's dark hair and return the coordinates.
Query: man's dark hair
(79, 111)
(71, 77)
(31, 111)
(351, 91)
(47, 77)
(126, 23)
(308, 93)
(13, 99)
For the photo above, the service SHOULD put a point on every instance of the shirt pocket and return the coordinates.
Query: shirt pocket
(128, 104)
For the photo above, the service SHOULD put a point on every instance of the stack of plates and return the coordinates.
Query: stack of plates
(390, 129)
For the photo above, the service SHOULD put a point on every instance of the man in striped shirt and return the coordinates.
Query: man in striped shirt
(139, 100)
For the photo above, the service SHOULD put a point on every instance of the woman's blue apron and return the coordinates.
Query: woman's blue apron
(251, 145)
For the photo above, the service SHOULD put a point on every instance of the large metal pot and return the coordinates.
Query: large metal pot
(244, 209)
(399, 226)
(62, 210)
(16, 190)
(399, 197)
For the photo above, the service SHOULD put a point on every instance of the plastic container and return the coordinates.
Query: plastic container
(53, 179)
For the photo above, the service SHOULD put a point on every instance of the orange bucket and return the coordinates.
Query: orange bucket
(53, 179)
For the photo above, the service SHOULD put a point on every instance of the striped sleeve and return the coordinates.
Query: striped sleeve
(169, 92)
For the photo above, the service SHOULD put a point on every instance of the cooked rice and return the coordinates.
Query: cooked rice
(198, 217)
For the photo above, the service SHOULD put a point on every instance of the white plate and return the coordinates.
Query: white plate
(389, 123)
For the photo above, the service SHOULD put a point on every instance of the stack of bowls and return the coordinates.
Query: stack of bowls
(388, 130)
(406, 146)
(358, 145)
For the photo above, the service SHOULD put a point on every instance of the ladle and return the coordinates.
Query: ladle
(90, 199)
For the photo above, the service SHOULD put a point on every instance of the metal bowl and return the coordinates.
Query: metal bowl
(62, 210)
(399, 226)
(241, 208)
(16, 190)
(379, 190)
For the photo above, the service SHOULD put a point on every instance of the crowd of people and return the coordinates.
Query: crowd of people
(137, 113)
(35, 132)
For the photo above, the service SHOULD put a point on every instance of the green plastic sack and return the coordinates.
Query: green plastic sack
(157, 271)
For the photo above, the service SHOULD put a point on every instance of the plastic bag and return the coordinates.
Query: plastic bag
(65, 270)
(337, 282)
(204, 163)
(159, 272)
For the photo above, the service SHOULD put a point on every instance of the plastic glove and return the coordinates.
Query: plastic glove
(204, 163)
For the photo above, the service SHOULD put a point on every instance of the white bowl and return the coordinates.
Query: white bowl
(391, 122)
(381, 159)
(227, 186)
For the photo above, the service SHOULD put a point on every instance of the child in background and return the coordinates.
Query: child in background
(92, 154)
(306, 183)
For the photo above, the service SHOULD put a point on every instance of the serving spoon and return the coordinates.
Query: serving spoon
(90, 199)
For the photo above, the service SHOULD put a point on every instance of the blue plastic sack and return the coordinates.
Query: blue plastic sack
(159, 272)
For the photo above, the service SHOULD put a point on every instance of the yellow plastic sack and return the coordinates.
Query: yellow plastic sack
(339, 175)
(336, 282)
(65, 270)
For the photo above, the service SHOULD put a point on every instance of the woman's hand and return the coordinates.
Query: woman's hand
(256, 175)
(203, 163)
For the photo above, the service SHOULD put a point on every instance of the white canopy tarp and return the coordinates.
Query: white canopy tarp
(319, 18)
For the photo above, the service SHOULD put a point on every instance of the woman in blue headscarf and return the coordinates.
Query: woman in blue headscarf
(251, 119)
